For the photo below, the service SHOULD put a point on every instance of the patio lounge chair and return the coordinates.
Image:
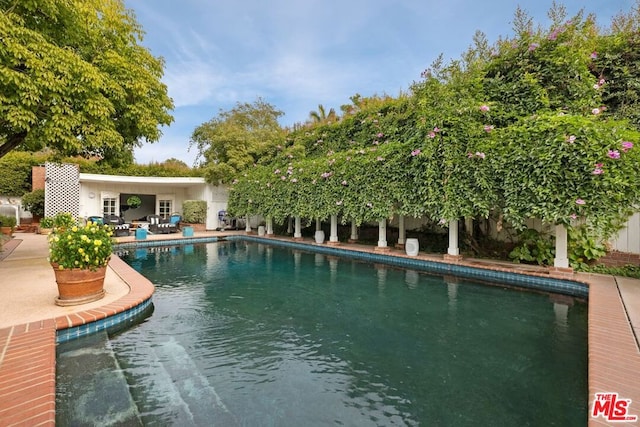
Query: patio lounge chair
(175, 219)
(117, 224)
(158, 225)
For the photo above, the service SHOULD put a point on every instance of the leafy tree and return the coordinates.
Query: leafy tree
(34, 202)
(74, 78)
(16, 172)
(236, 139)
(322, 116)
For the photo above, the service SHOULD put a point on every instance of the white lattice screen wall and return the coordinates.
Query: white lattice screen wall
(61, 189)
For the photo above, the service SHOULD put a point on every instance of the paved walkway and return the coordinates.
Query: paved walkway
(29, 320)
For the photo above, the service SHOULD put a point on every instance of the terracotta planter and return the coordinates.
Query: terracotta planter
(79, 286)
(6, 231)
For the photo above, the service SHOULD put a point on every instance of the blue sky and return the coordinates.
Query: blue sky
(296, 54)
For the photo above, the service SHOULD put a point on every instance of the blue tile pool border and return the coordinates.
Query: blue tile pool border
(111, 322)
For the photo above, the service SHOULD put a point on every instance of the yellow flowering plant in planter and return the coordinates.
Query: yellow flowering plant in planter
(87, 247)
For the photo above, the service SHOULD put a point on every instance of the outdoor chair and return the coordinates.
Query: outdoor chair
(96, 219)
(175, 219)
(158, 225)
(117, 224)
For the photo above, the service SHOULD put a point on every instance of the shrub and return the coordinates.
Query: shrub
(194, 211)
(534, 247)
(34, 202)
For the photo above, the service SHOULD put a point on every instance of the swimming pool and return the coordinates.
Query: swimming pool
(250, 334)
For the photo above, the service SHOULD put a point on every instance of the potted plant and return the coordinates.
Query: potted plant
(79, 256)
(63, 220)
(134, 202)
(46, 225)
(7, 224)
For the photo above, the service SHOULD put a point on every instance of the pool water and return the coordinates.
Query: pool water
(251, 335)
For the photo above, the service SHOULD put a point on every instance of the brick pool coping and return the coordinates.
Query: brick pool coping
(27, 351)
(28, 354)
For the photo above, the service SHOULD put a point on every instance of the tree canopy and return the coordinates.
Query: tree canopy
(74, 78)
(237, 139)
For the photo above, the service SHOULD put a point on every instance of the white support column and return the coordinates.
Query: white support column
(333, 237)
(269, 226)
(318, 224)
(401, 231)
(354, 232)
(561, 260)
(247, 226)
(297, 234)
(382, 235)
(454, 250)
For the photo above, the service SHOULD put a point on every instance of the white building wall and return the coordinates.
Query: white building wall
(628, 240)
(217, 200)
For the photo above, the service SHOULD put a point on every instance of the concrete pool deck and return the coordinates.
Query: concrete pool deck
(29, 320)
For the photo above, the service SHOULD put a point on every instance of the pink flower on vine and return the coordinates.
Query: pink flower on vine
(484, 108)
(480, 154)
(277, 171)
(571, 139)
(436, 129)
(598, 171)
(613, 154)
(488, 128)
(339, 202)
(580, 202)
(533, 46)
(344, 182)
(415, 152)
(573, 216)
(283, 177)
(380, 135)
(380, 159)
(369, 205)
(596, 111)
(442, 221)
(294, 180)
(626, 146)
(432, 135)
(326, 174)
(593, 55)
(469, 154)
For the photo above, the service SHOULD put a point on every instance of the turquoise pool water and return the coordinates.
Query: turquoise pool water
(251, 335)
